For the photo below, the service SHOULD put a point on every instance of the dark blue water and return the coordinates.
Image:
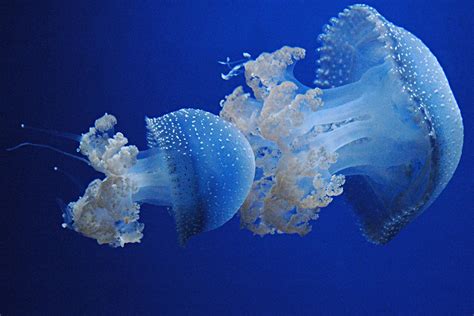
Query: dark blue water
(64, 65)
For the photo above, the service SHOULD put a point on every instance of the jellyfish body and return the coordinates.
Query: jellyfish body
(383, 124)
(197, 164)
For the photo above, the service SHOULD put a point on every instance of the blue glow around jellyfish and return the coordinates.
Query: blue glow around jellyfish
(383, 125)
(197, 164)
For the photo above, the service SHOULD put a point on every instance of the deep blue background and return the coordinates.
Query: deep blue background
(64, 64)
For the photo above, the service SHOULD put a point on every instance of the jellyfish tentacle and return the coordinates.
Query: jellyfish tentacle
(49, 147)
(71, 178)
(61, 134)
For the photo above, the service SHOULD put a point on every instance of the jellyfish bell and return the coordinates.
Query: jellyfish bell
(197, 164)
(382, 124)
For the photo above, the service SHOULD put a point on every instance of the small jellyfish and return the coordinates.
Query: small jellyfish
(382, 124)
(197, 164)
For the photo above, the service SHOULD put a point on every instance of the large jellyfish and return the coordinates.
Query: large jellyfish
(197, 164)
(382, 124)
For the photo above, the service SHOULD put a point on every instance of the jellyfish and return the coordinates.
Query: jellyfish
(198, 165)
(382, 125)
